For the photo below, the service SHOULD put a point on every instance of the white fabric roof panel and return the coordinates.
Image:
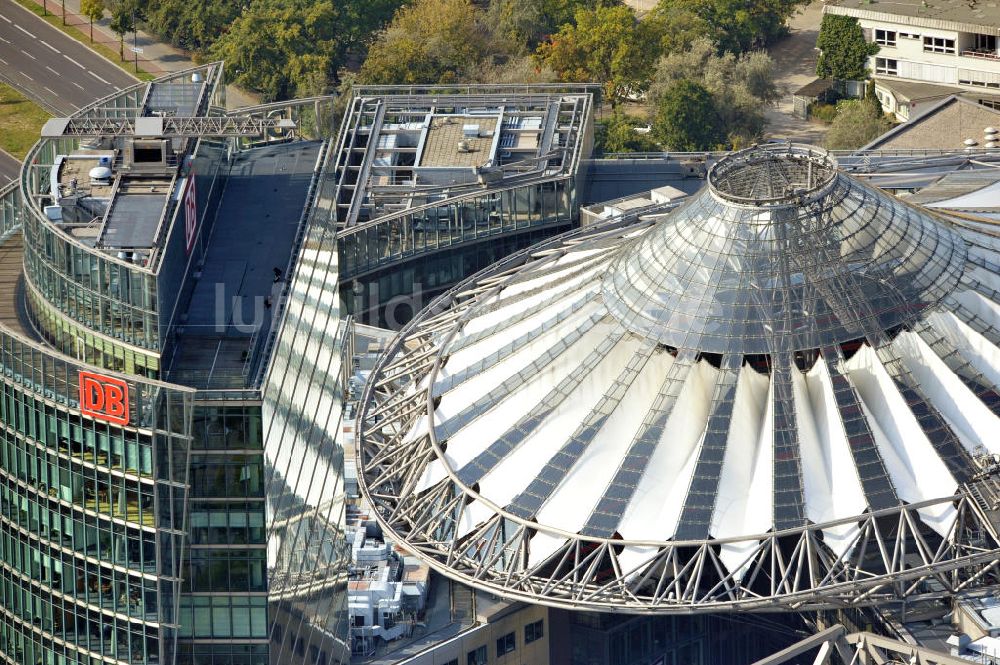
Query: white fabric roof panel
(627, 389)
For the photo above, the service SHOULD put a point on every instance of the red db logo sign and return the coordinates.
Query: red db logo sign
(104, 398)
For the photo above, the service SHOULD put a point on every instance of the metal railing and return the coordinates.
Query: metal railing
(393, 246)
(258, 358)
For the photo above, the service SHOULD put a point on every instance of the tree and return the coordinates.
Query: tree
(282, 48)
(192, 24)
(741, 86)
(606, 44)
(617, 134)
(93, 10)
(124, 15)
(678, 27)
(524, 24)
(430, 41)
(857, 123)
(843, 50)
(735, 25)
(686, 120)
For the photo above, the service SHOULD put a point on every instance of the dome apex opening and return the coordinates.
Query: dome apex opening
(773, 174)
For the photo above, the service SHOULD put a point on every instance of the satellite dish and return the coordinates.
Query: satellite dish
(196, 77)
(100, 173)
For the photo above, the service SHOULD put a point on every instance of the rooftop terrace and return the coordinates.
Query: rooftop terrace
(254, 234)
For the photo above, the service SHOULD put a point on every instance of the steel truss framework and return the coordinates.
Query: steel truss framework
(834, 646)
(167, 127)
(891, 555)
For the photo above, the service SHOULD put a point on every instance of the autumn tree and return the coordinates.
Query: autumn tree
(93, 10)
(526, 23)
(192, 24)
(282, 48)
(430, 41)
(686, 120)
(735, 25)
(607, 45)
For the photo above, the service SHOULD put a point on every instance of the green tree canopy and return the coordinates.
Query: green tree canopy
(430, 41)
(192, 24)
(526, 23)
(686, 119)
(617, 134)
(124, 16)
(741, 86)
(843, 49)
(735, 25)
(93, 10)
(857, 123)
(605, 44)
(282, 48)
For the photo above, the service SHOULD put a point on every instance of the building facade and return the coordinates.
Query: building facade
(934, 43)
(142, 481)
(433, 183)
(174, 349)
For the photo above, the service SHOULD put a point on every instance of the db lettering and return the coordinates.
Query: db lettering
(104, 398)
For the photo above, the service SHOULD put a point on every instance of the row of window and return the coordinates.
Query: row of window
(890, 67)
(86, 628)
(931, 44)
(505, 644)
(224, 616)
(97, 585)
(23, 645)
(982, 44)
(93, 441)
(83, 534)
(92, 487)
(79, 342)
(120, 312)
(226, 570)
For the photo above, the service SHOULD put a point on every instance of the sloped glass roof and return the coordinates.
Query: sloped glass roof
(781, 252)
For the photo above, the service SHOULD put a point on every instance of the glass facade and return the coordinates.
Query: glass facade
(92, 513)
(499, 222)
(147, 522)
(304, 462)
(96, 290)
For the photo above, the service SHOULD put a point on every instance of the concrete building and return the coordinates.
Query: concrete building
(951, 45)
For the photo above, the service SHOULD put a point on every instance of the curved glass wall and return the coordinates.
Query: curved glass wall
(92, 513)
(96, 290)
(469, 219)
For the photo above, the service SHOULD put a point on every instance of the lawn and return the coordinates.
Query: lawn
(21, 121)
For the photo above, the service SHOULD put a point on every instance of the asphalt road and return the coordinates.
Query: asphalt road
(8, 168)
(51, 67)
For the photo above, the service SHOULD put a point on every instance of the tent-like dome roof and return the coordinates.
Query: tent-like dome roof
(743, 403)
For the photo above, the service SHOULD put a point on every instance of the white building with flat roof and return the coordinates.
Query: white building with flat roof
(940, 42)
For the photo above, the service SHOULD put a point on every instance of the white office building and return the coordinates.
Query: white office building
(948, 47)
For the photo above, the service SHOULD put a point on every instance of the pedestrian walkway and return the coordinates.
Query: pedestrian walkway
(154, 56)
(795, 65)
